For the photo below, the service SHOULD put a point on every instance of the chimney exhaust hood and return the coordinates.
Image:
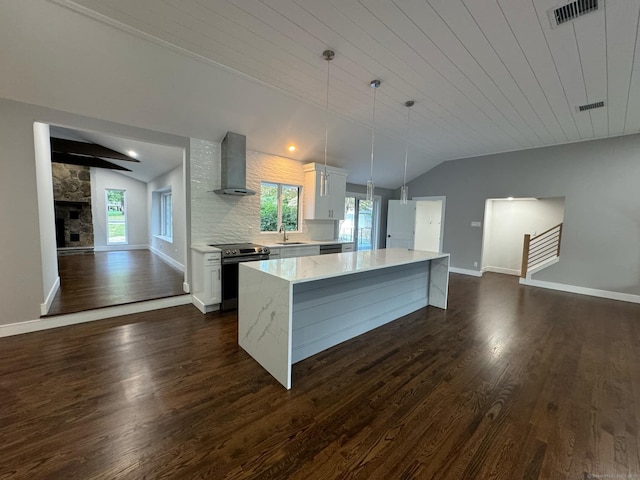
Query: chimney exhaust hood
(234, 166)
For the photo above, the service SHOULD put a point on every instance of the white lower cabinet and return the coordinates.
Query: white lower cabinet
(207, 287)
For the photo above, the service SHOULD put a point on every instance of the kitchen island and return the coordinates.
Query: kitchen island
(292, 308)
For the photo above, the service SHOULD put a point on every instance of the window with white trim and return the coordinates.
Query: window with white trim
(279, 205)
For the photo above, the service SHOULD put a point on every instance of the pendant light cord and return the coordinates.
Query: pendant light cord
(374, 84)
(406, 141)
(326, 118)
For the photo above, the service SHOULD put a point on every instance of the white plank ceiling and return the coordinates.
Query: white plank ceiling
(486, 75)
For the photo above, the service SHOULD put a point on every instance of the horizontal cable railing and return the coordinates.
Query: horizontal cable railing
(540, 248)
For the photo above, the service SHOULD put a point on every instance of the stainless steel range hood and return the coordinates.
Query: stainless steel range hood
(234, 166)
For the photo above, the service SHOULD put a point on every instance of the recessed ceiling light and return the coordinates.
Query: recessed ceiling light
(509, 198)
(133, 154)
(292, 148)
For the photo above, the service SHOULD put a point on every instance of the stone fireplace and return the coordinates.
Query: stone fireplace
(72, 200)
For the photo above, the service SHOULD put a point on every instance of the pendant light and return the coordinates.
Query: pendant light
(404, 189)
(324, 175)
(370, 185)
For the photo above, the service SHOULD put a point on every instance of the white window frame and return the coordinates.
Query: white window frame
(279, 200)
(166, 216)
(159, 214)
(124, 211)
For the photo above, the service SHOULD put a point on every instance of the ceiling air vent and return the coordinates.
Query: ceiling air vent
(589, 106)
(572, 10)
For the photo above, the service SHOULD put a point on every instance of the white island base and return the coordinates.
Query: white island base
(290, 309)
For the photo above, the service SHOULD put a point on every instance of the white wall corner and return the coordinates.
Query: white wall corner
(464, 271)
(44, 307)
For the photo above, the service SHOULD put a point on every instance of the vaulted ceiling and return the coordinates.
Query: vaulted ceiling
(486, 75)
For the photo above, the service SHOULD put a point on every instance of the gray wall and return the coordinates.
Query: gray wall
(386, 196)
(600, 180)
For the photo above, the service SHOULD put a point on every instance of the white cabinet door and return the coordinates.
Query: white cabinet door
(212, 291)
(401, 221)
(212, 285)
(206, 288)
(315, 206)
(329, 207)
(338, 186)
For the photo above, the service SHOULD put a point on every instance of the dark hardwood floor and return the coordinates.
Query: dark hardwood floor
(113, 278)
(511, 382)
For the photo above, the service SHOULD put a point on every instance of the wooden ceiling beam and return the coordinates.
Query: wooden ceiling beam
(87, 161)
(60, 145)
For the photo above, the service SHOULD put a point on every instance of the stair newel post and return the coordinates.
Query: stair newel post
(525, 255)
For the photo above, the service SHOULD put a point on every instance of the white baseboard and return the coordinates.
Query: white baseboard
(91, 315)
(593, 292)
(506, 271)
(186, 288)
(167, 259)
(464, 271)
(44, 307)
(115, 248)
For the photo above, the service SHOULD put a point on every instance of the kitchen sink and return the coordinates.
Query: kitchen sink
(291, 243)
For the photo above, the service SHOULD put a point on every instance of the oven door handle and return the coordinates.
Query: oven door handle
(252, 258)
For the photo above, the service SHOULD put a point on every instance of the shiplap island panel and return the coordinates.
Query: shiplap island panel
(292, 308)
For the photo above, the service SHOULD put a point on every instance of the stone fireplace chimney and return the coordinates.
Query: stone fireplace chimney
(72, 200)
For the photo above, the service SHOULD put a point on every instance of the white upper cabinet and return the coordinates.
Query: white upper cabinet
(330, 207)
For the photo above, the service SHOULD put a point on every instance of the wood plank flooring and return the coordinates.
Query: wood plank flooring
(106, 279)
(511, 382)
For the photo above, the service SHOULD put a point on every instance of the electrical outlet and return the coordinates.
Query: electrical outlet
(475, 264)
(476, 224)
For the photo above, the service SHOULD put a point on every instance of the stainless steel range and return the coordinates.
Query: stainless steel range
(232, 255)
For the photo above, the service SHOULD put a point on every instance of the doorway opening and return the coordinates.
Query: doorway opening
(361, 221)
(416, 225)
(123, 258)
(506, 221)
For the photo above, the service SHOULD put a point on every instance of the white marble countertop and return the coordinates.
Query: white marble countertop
(204, 248)
(307, 269)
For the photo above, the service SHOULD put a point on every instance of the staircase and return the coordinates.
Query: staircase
(541, 251)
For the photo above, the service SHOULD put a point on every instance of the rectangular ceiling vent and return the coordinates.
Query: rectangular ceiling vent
(589, 106)
(573, 10)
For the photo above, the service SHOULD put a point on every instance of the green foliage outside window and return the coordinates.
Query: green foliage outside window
(278, 205)
(269, 207)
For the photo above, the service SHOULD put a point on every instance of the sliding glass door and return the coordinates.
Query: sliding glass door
(361, 220)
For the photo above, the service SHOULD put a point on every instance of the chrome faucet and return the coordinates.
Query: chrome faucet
(283, 229)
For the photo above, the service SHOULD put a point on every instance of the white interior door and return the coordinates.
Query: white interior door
(428, 225)
(401, 220)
